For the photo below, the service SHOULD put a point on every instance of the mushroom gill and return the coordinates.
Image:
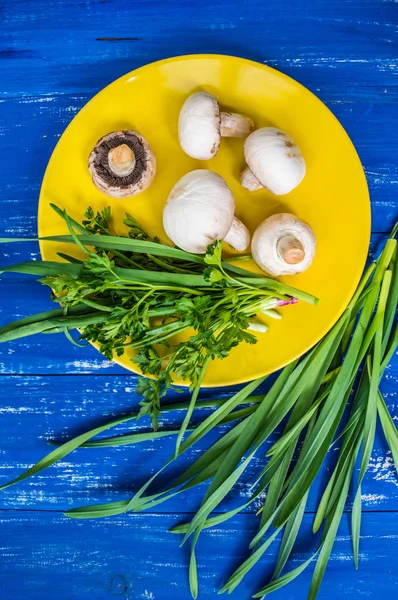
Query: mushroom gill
(122, 164)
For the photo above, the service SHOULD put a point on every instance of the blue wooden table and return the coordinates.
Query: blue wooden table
(54, 56)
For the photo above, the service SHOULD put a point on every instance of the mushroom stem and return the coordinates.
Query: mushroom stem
(235, 125)
(121, 160)
(283, 245)
(238, 236)
(290, 249)
(249, 181)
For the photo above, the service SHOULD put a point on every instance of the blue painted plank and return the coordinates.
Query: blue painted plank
(36, 409)
(44, 555)
(54, 55)
(80, 47)
(30, 128)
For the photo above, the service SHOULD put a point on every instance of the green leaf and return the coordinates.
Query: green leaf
(43, 268)
(369, 426)
(62, 213)
(389, 429)
(132, 438)
(98, 511)
(75, 237)
(315, 448)
(64, 450)
(212, 521)
(144, 503)
(193, 570)
(274, 492)
(356, 525)
(139, 276)
(39, 317)
(391, 307)
(219, 415)
(289, 537)
(237, 576)
(226, 477)
(394, 230)
(204, 428)
(215, 498)
(278, 481)
(285, 579)
(285, 440)
(198, 472)
(329, 536)
(191, 406)
(109, 242)
(349, 447)
(214, 276)
(213, 254)
(68, 258)
(390, 349)
(285, 382)
(371, 409)
(81, 440)
(31, 325)
(308, 385)
(322, 507)
(202, 469)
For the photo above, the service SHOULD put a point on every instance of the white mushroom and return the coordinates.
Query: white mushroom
(122, 164)
(283, 245)
(200, 210)
(274, 162)
(201, 126)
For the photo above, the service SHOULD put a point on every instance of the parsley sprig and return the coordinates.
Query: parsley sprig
(132, 292)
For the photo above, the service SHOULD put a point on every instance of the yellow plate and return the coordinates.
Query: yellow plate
(333, 198)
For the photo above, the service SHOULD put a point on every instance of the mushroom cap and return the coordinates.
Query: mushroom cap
(274, 159)
(267, 237)
(199, 126)
(122, 186)
(199, 210)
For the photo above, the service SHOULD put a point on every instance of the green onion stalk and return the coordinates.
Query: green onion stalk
(314, 395)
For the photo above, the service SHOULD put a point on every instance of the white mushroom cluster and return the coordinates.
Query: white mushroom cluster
(200, 208)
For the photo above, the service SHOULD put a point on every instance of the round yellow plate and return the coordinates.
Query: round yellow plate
(333, 198)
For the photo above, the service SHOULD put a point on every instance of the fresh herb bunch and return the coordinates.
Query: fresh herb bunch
(138, 293)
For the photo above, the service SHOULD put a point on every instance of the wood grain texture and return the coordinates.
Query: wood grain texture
(44, 555)
(37, 409)
(54, 56)
(333, 43)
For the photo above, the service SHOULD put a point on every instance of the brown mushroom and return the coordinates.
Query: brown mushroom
(122, 164)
